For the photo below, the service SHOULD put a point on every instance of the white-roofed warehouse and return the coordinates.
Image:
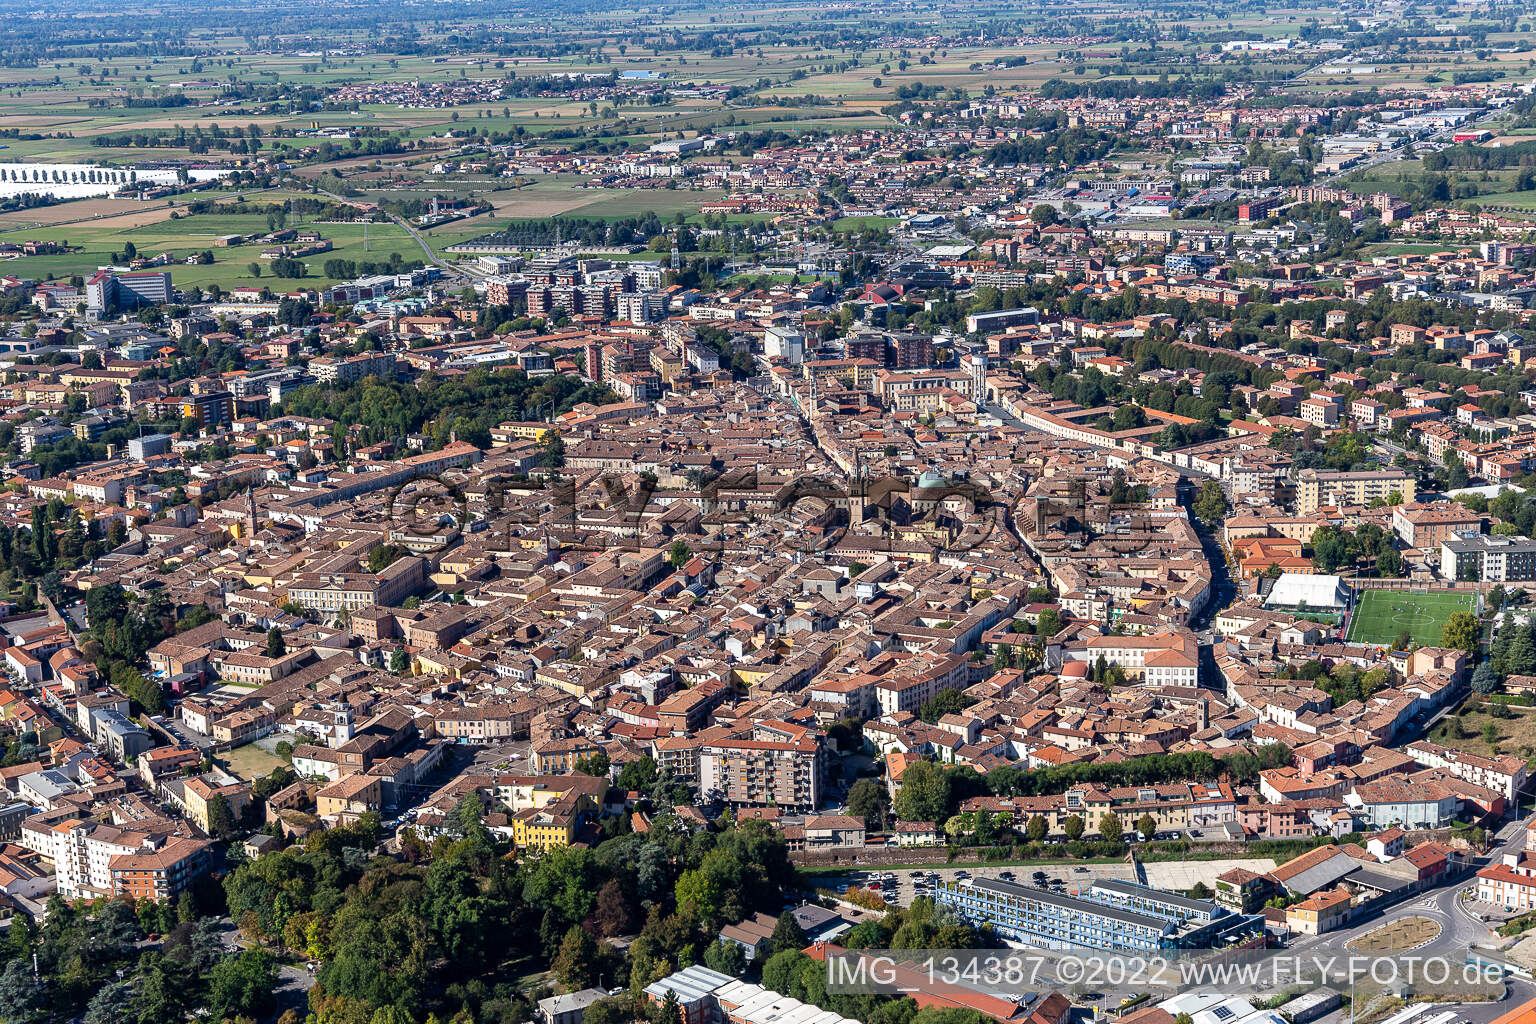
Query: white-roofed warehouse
(1298, 590)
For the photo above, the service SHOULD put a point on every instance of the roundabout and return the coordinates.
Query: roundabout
(1399, 936)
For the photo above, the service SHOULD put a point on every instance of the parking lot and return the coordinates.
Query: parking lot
(901, 885)
(1183, 874)
(514, 756)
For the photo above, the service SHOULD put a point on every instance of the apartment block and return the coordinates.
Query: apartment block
(1488, 558)
(1318, 488)
(757, 773)
(346, 369)
(160, 874)
(1502, 773)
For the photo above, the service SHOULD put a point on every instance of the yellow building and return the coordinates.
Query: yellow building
(198, 793)
(513, 430)
(1321, 912)
(553, 826)
(349, 797)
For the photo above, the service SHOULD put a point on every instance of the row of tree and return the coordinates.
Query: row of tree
(933, 792)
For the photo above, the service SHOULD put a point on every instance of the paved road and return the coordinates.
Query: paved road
(293, 983)
(432, 257)
(1460, 926)
(1463, 920)
(416, 235)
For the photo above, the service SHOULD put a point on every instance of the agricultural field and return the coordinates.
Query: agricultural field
(1512, 200)
(93, 244)
(1381, 616)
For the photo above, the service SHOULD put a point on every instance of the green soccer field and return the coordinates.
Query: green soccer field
(1381, 615)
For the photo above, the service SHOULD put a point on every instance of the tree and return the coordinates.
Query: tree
(1484, 679)
(639, 776)
(52, 585)
(141, 691)
(1048, 623)
(1210, 504)
(869, 800)
(23, 998)
(1331, 548)
(1461, 632)
(787, 933)
(725, 957)
(553, 455)
(577, 962)
(399, 661)
(1043, 214)
(221, 821)
(1129, 417)
(276, 646)
(1037, 829)
(783, 970)
(242, 985)
(612, 915)
(945, 702)
(1110, 828)
(669, 1011)
(186, 908)
(705, 891)
(610, 1010)
(113, 1003)
(1147, 825)
(1073, 827)
(1521, 655)
(595, 765)
(679, 554)
(924, 793)
(383, 556)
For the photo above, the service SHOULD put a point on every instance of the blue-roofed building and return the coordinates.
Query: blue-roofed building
(1118, 916)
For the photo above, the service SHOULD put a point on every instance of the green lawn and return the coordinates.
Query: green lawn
(250, 762)
(98, 242)
(861, 223)
(1381, 615)
(1521, 200)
